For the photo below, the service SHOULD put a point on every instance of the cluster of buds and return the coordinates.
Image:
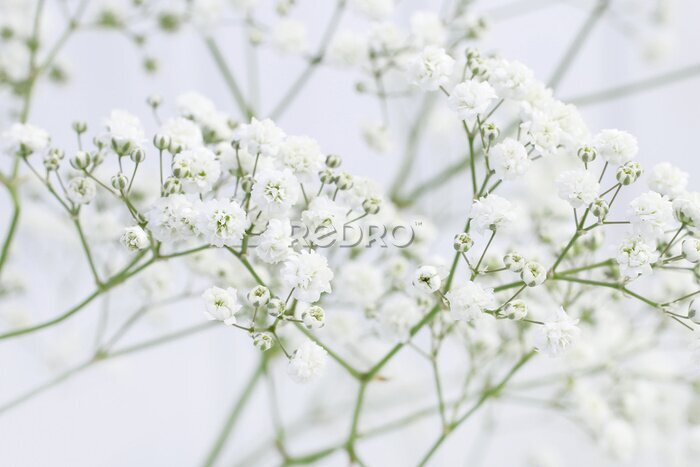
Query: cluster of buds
(629, 173)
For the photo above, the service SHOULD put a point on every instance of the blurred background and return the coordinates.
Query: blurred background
(164, 407)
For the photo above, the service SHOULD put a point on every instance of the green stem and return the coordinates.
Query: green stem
(228, 76)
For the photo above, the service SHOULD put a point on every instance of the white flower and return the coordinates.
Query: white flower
(308, 274)
(261, 137)
(533, 274)
(377, 137)
(81, 190)
(578, 187)
(686, 209)
(515, 310)
(651, 214)
(511, 80)
(635, 257)
(668, 180)
(427, 28)
(426, 279)
(290, 36)
(471, 98)
(397, 316)
(509, 159)
(468, 303)
(221, 304)
(194, 106)
(360, 283)
(275, 192)
(24, 138)
(259, 296)
(134, 238)
(183, 133)
(374, 9)
(616, 146)
(307, 363)
(544, 133)
(558, 335)
(324, 219)
(221, 222)
(492, 213)
(124, 131)
(303, 156)
(199, 169)
(618, 440)
(691, 250)
(348, 48)
(274, 245)
(431, 68)
(172, 218)
(314, 317)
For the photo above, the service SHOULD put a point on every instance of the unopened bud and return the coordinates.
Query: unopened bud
(81, 160)
(463, 242)
(333, 161)
(119, 181)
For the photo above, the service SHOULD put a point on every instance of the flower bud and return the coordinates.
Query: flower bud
(344, 181)
(693, 308)
(326, 176)
(491, 132)
(134, 238)
(52, 160)
(314, 317)
(81, 160)
(172, 186)
(98, 158)
(514, 261)
(427, 279)
(175, 148)
(515, 310)
(372, 205)
(333, 161)
(259, 296)
(154, 100)
(79, 127)
(263, 340)
(600, 208)
(161, 141)
(533, 274)
(119, 181)
(181, 169)
(629, 173)
(121, 149)
(275, 307)
(138, 155)
(463, 242)
(691, 250)
(587, 154)
(247, 183)
(98, 143)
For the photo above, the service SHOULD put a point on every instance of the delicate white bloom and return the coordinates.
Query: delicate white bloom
(691, 250)
(492, 213)
(686, 209)
(134, 238)
(314, 317)
(509, 159)
(360, 283)
(618, 440)
(469, 302)
(324, 218)
(635, 257)
(275, 192)
(511, 80)
(290, 36)
(259, 296)
(533, 274)
(515, 310)
(431, 68)
(308, 274)
(427, 28)
(397, 316)
(558, 335)
(348, 48)
(544, 133)
(668, 180)
(172, 218)
(261, 137)
(374, 9)
(124, 131)
(385, 36)
(426, 279)
(307, 363)
(471, 98)
(183, 133)
(24, 138)
(275, 244)
(199, 169)
(616, 146)
(651, 214)
(221, 304)
(578, 187)
(195, 106)
(221, 222)
(303, 156)
(81, 190)
(207, 13)
(377, 137)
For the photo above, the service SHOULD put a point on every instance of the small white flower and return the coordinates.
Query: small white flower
(511, 80)
(578, 187)
(691, 250)
(397, 316)
(427, 28)
(668, 180)
(24, 138)
(183, 134)
(261, 137)
(471, 98)
(635, 257)
(651, 213)
(307, 363)
(374, 9)
(686, 209)
(134, 238)
(324, 219)
(426, 279)
(492, 213)
(468, 303)
(515, 310)
(533, 274)
(377, 137)
(559, 334)
(275, 244)
(259, 296)
(616, 146)
(81, 190)
(509, 159)
(172, 218)
(618, 440)
(308, 274)
(124, 131)
(431, 68)
(314, 317)
(303, 156)
(221, 222)
(290, 36)
(348, 48)
(275, 192)
(199, 169)
(221, 304)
